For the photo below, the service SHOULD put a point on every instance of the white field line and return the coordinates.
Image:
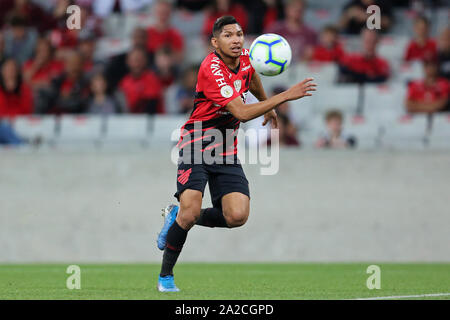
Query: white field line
(405, 297)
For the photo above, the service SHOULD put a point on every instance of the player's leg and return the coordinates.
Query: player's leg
(190, 205)
(236, 208)
(191, 183)
(229, 182)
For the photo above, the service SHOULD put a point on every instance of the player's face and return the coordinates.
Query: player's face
(230, 41)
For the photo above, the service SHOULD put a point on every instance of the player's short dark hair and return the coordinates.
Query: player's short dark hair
(222, 22)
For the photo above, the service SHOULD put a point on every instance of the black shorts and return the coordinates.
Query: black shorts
(222, 179)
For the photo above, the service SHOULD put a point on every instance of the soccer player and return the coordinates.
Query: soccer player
(225, 76)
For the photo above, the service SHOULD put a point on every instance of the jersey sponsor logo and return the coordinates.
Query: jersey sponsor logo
(216, 71)
(226, 91)
(245, 52)
(184, 176)
(237, 85)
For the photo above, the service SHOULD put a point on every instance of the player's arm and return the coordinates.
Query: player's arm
(257, 89)
(251, 111)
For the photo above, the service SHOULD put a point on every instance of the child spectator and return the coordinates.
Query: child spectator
(141, 87)
(421, 47)
(334, 137)
(444, 53)
(39, 71)
(15, 96)
(366, 66)
(101, 102)
(329, 49)
(430, 94)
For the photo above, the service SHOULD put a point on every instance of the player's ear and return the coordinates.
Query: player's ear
(214, 42)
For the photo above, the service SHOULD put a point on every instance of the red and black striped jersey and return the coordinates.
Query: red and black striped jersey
(217, 85)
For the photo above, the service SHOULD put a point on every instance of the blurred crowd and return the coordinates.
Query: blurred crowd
(48, 69)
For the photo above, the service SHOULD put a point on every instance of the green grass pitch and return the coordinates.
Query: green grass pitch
(211, 281)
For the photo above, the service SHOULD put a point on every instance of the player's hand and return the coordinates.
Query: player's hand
(301, 89)
(271, 116)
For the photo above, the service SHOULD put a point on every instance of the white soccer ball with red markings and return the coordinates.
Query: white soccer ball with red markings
(270, 54)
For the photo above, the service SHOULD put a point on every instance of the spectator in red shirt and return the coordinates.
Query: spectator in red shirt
(39, 71)
(116, 67)
(15, 96)
(430, 94)
(141, 87)
(366, 66)
(299, 35)
(68, 93)
(162, 34)
(329, 49)
(224, 8)
(422, 47)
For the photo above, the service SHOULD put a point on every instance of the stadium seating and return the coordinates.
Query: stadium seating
(393, 48)
(319, 18)
(324, 74)
(127, 129)
(440, 133)
(82, 129)
(366, 130)
(165, 130)
(406, 132)
(384, 102)
(406, 72)
(33, 127)
(341, 97)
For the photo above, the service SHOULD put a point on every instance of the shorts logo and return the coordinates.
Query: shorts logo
(184, 176)
(237, 85)
(226, 91)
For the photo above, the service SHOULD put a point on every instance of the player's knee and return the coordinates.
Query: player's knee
(187, 217)
(236, 217)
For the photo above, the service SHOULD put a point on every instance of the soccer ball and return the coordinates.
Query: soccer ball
(270, 54)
